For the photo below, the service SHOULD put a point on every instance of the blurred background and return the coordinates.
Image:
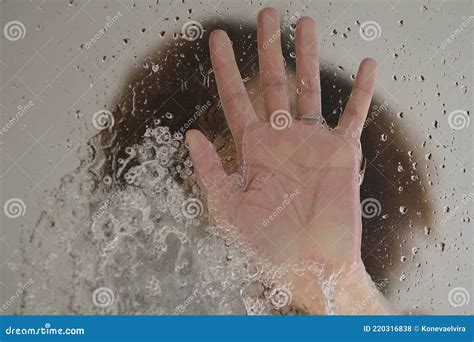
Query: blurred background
(59, 66)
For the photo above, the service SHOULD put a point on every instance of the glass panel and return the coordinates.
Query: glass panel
(102, 211)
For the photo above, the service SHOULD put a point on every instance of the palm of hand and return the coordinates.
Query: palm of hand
(300, 200)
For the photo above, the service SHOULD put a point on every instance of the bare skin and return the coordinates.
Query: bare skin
(300, 195)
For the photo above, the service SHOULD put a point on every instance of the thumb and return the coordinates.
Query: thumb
(207, 163)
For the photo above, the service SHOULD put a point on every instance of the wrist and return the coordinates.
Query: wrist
(348, 290)
(357, 294)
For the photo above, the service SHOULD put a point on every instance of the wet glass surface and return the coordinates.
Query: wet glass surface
(101, 209)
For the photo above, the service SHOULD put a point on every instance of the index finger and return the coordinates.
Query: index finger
(237, 106)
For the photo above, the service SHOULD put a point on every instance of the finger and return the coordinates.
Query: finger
(271, 63)
(357, 107)
(207, 163)
(308, 89)
(235, 101)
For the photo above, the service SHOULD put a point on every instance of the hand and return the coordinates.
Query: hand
(299, 198)
(315, 167)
